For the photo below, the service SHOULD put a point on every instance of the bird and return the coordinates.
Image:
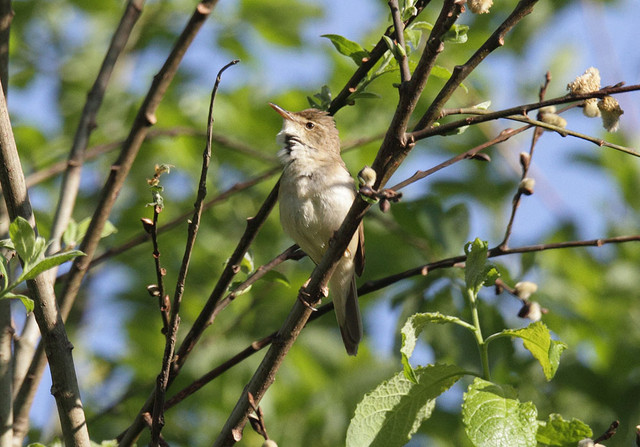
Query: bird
(316, 192)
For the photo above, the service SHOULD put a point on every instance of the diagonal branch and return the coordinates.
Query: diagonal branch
(119, 171)
(172, 328)
(460, 72)
(54, 336)
(375, 285)
(393, 151)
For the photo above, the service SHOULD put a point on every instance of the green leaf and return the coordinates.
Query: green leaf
(324, 97)
(348, 47)
(390, 414)
(235, 285)
(483, 105)
(456, 34)
(7, 243)
(108, 229)
(70, 235)
(49, 263)
(277, 277)
(29, 247)
(444, 73)
(424, 26)
(557, 432)
(246, 265)
(4, 273)
(412, 329)
(537, 339)
(478, 271)
(493, 417)
(26, 301)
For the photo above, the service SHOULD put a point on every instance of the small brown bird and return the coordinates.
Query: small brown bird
(316, 192)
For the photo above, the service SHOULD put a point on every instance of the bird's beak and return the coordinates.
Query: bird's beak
(282, 112)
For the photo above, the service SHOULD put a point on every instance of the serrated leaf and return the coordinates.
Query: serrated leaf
(557, 432)
(348, 47)
(48, 263)
(493, 417)
(390, 414)
(412, 329)
(277, 277)
(537, 339)
(478, 271)
(26, 301)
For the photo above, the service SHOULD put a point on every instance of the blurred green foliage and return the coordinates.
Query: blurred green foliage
(590, 292)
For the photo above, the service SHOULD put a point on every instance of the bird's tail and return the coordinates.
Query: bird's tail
(345, 299)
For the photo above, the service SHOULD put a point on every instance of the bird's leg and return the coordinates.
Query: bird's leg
(303, 295)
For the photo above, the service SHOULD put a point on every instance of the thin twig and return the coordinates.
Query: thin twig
(160, 271)
(398, 27)
(460, 72)
(203, 320)
(172, 330)
(525, 163)
(313, 292)
(145, 118)
(342, 98)
(503, 136)
(520, 110)
(375, 285)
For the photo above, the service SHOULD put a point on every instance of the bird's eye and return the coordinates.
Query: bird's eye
(310, 125)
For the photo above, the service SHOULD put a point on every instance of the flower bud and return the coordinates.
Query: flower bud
(526, 186)
(531, 310)
(586, 83)
(525, 158)
(524, 289)
(367, 176)
(611, 112)
(553, 119)
(480, 6)
(590, 108)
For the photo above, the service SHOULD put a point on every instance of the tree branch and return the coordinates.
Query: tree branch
(172, 329)
(6, 328)
(119, 171)
(460, 72)
(65, 384)
(517, 110)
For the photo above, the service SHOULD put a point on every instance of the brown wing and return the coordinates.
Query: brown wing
(359, 258)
